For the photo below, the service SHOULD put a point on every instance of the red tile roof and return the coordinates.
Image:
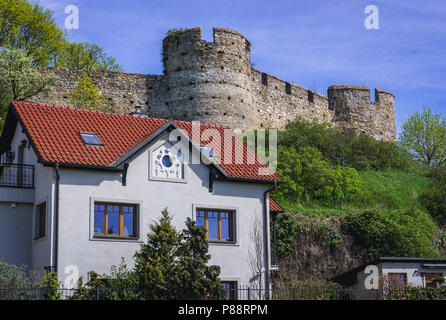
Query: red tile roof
(54, 131)
(274, 207)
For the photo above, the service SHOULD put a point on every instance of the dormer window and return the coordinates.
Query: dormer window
(91, 139)
(208, 151)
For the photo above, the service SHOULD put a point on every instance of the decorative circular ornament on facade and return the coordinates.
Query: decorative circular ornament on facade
(167, 163)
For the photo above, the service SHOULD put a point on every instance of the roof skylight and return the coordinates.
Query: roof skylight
(91, 138)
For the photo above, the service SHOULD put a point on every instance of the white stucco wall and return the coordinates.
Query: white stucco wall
(80, 188)
(20, 245)
(15, 232)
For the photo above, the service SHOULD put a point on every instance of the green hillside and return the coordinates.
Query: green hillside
(382, 190)
(348, 199)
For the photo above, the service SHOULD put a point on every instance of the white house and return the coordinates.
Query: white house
(78, 189)
(406, 271)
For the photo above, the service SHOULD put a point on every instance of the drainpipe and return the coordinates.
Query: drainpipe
(56, 218)
(265, 234)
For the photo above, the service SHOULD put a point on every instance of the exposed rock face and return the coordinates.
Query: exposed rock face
(213, 82)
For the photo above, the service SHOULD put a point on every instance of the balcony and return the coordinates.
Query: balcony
(16, 175)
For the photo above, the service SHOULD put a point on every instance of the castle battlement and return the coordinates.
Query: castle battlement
(214, 82)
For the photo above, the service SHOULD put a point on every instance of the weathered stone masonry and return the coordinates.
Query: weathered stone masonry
(214, 82)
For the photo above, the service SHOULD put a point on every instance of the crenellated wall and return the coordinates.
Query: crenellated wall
(214, 82)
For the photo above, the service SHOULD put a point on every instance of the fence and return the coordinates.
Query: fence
(16, 175)
(240, 293)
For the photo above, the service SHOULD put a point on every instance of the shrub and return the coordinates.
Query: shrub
(51, 286)
(291, 228)
(120, 284)
(308, 175)
(406, 234)
(345, 148)
(434, 198)
(417, 293)
(17, 282)
(286, 231)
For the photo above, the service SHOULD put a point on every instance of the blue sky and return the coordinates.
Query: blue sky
(308, 42)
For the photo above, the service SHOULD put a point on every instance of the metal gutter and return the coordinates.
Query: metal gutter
(265, 235)
(56, 218)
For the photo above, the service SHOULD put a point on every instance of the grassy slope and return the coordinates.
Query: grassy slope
(384, 190)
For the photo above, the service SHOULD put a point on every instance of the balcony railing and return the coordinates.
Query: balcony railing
(16, 175)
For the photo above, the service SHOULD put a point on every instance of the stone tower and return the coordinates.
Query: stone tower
(354, 109)
(208, 81)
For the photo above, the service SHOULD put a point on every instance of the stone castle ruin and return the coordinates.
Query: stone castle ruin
(214, 82)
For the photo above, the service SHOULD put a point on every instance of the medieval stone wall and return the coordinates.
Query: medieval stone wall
(213, 82)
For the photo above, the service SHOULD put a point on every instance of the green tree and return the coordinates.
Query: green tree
(197, 278)
(19, 79)
(156, 266)
(173, 265)
(85, 56)
(31, 28)
(424, 137)
(170, 265)
(87, 95)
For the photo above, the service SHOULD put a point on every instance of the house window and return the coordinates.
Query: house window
(40, 221)
(115, 220)
(91, 139)
(230, 289)
(218, 223)
(400, 279)
(430, 277)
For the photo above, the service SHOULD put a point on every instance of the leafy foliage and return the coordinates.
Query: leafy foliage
(308, 175)
(86, 95)
(12, 276)
(405, 234)
(417, 293)
(171, 265)
(434, 198)
(291, 227)
(15, 278)
(197, 278)
(51, 286)
(424, 137)
(19, 79)
(155, 262)
(120, 284)
(31, 28)
(85, 56)
(344, 148)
